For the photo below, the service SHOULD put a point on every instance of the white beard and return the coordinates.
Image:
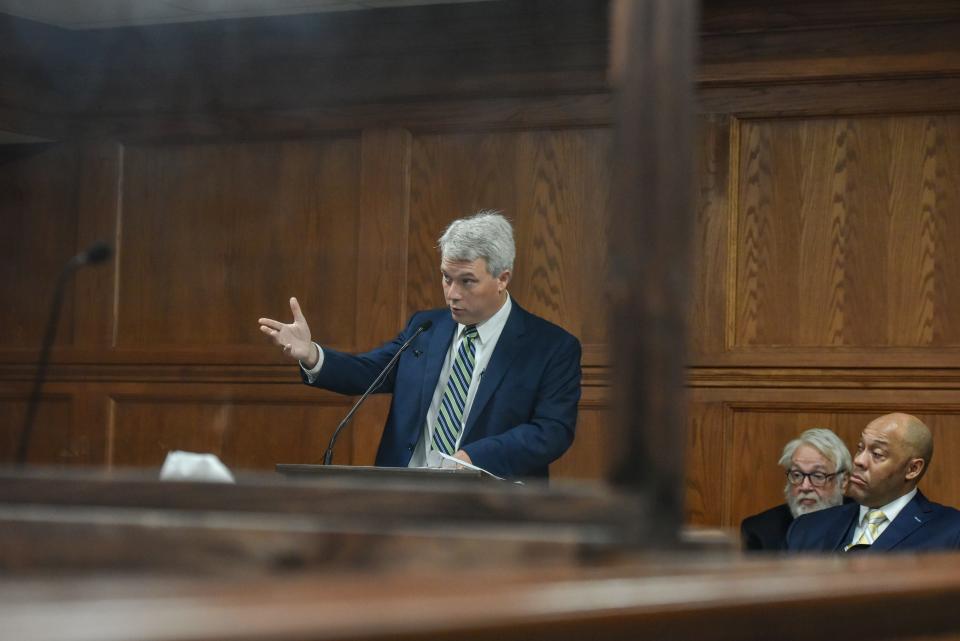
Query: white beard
(796, 509)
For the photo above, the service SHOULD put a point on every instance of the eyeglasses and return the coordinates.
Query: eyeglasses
(817, 479)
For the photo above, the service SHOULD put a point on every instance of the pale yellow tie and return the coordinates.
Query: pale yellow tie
(875, 518)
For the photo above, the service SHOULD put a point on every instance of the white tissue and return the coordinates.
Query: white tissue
(190, 466)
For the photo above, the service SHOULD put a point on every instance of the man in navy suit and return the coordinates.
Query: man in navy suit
(890, 513)
(487, 383)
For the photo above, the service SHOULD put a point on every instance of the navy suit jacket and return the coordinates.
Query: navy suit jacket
(921, 525)
(525, 410)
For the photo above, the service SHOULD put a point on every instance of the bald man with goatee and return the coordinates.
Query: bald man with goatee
(890, 514)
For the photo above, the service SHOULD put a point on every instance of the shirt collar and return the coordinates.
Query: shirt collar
(493, 325)
(891, 509)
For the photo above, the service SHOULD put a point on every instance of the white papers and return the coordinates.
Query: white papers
(458, 462)
(190, 466)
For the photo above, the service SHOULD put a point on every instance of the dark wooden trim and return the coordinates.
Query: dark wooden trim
(846, 97)
(746, 16)
(825, 378)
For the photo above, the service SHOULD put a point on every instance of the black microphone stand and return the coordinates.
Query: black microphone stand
(328, 455)
(97, 253)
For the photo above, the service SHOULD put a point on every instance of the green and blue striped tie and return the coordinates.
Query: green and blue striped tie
(449, 423)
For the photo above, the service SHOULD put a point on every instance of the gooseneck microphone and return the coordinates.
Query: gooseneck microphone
(93, 255)
(377, 382)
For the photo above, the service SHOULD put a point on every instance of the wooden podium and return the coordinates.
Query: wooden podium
(430, 474)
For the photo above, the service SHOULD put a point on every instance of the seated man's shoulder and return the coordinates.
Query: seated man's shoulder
(779, 514)
(944, 511)
(766, 531)
(826, 515)
(808, 531)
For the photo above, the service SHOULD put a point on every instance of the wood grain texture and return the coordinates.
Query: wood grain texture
(832, 98)
(710, 246)
(843, 230)
(56, 440)
(593, 447)
(225, 233)
(552, 184)
(831, 52)
(38, 186)
(98, 217)
(248, 428)
(707, 459)
(744, 16)
(382, 227)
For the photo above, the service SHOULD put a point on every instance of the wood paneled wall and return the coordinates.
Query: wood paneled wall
(826, 239)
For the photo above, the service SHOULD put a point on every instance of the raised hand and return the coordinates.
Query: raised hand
(293, 338)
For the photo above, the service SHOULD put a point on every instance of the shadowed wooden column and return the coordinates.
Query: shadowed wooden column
(653, 42)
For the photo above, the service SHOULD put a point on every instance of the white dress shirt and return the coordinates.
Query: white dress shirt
(488, 333)
(890, 510)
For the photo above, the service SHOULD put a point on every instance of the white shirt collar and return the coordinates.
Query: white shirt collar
(891, 509)
(493, 325)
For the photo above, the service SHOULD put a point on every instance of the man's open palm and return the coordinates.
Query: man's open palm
(293, 338)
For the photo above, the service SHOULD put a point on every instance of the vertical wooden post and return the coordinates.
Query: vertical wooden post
(651, 223)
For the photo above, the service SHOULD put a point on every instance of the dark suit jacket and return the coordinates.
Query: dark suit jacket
(525, 410)
(767, 530)
(921, 525)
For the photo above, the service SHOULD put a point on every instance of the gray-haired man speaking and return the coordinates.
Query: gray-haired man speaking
(483, 380)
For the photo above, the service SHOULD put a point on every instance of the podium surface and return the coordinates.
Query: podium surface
(305, 470)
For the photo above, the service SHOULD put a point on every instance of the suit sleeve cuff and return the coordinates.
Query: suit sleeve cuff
(311, 373)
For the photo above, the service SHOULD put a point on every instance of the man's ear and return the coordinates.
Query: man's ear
(504, 280)
(846, 482)
(915, 468)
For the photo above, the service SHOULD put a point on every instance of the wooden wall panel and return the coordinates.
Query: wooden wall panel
(711, 241)
(99, 203)
(38, 188)
(847, 233)
(553, 185)
(590, 456)
(215, 235)
(249, 429)
(56, 438)
(706, 461)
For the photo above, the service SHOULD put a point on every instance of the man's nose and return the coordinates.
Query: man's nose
(806, 483)
(858, 460)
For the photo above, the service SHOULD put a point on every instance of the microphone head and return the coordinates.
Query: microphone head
(97, 253)
(425, 325)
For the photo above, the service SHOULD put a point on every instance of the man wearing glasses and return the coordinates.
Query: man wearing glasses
(890, 513)
(817, 465)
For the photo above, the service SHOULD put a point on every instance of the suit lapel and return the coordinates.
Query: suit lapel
(838, 536)
(440, 339)
(508, 346)
(913, 515)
